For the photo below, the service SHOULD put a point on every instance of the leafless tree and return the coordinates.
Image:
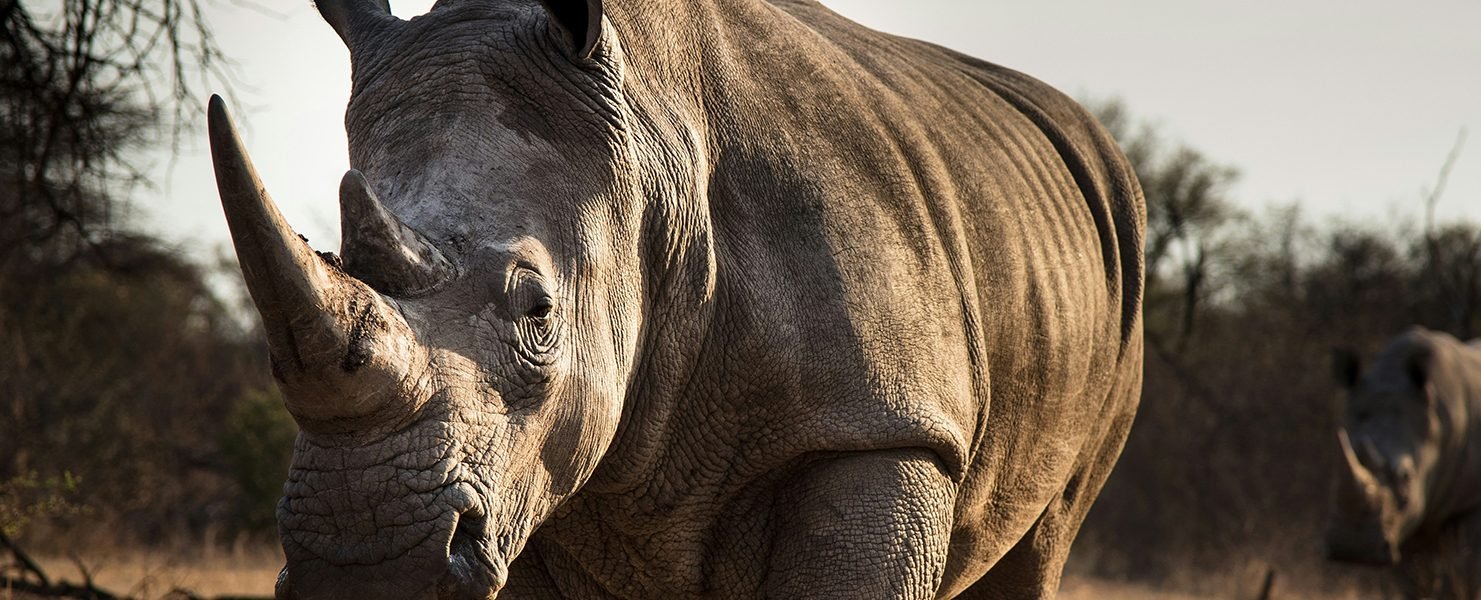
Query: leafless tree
(1188, 215)
(119, 364)
(85, 87)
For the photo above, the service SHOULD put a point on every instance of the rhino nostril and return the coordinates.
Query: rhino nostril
(468, 535)
(472, 572)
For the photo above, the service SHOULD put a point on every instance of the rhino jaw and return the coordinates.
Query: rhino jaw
(1360, 541)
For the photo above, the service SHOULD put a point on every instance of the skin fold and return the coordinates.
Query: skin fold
(671, 299)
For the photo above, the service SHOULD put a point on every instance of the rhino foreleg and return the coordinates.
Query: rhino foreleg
(862, 525)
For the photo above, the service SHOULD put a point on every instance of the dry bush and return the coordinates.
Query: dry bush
(1228, 467)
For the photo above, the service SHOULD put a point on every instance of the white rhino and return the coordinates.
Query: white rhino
(1411, 443)
(682, 298)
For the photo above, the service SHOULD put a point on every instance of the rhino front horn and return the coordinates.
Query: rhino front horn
(339, 349)
(381, 250)
(1357, 481)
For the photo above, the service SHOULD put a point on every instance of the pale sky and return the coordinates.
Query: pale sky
(1345, 107)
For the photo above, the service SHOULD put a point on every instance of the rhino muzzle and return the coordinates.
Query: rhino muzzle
(399, 517)
(438, 568)
(1358, 543)
(452, 572)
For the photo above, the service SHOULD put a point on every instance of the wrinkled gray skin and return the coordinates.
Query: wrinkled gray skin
(1411, 445)
(691, 298)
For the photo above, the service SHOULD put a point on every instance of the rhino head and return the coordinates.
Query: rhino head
(1390, 442)
(462, 369)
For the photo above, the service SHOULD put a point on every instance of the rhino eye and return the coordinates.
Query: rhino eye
(541, 310)
(537, 330)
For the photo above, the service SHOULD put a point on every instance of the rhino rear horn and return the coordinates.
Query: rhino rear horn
(340, 350)
(351, 19)
(381, 250)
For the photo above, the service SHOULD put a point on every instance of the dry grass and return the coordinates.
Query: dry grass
(152, 574)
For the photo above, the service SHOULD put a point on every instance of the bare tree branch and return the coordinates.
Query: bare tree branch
(82, 90)
(1432, 196)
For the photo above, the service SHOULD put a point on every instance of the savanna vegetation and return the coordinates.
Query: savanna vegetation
(138, 410)
(1226, 477)
(137, 407)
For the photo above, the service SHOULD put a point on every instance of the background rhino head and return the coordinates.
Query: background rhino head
(463, 369)
(1391, 442)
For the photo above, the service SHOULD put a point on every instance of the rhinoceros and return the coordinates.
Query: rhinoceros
(1411, 445)
(683, 298)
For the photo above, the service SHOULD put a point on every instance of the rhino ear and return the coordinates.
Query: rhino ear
(1346, 367)
(348, 17)
(1417, 366)
(579, 22)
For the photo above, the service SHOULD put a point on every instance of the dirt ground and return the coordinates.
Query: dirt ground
(1098, 589)
(154, 576)
(209, 574)
(250, 573)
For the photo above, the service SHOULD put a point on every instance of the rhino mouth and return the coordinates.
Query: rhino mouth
(397, 517)
(1359, 544)
(475, 566)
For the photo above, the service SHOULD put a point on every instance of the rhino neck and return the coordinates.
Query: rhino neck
(678, 270)
(1458, 387)
(1461, 394)
(691, 52)
(662, 40)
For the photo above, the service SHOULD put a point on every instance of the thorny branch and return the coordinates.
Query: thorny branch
(84, 86)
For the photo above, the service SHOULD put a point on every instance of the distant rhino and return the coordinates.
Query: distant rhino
(683, 298)
(1411, 442)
